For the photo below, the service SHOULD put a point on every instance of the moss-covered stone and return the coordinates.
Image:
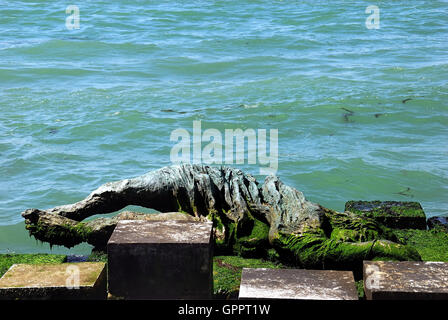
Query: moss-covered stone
(48, 281)
(7, 260)
(227, 274)
(392, 214)
(432, 245)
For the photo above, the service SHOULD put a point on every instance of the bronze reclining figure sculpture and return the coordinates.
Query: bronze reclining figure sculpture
(249, 219)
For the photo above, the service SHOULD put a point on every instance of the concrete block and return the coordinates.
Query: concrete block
(390, 280)
(298, 284)
(161, 260)
(393, 214)
(64, 281)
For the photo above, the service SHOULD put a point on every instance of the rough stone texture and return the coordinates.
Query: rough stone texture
(249, 218)
(394, 280)
(393, 214)
(297, 284)
(438, 223)
(49, 282)
(161, 260)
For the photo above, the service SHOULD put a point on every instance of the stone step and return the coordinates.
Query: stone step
(86, 280)
(161, 260)
(301, 284)
(393, 214)
(390, 280)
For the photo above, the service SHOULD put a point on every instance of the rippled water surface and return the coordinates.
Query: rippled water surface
(361, 113)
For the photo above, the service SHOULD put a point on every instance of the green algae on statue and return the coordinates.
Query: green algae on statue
(250, 219)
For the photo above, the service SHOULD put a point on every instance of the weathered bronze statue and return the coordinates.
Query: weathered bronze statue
(250, 219)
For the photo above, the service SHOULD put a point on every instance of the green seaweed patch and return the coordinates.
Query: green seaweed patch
(315, 251)
(7, 260)
(67, 235)
(432, 245)
(227, 274)
(256, 243)
(312, 251)
(360, 288)
(272, 255)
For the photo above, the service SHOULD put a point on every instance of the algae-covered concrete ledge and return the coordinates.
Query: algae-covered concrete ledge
(8, 259)
(392, 214)
(79, 281)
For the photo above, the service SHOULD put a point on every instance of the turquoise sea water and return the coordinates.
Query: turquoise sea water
(361, 113)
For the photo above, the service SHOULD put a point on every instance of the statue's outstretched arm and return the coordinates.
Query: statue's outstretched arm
(153, 190)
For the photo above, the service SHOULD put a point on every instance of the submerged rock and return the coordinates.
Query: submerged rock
(249, 219)
(393, 214)
(440, 223)
(77, 258)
